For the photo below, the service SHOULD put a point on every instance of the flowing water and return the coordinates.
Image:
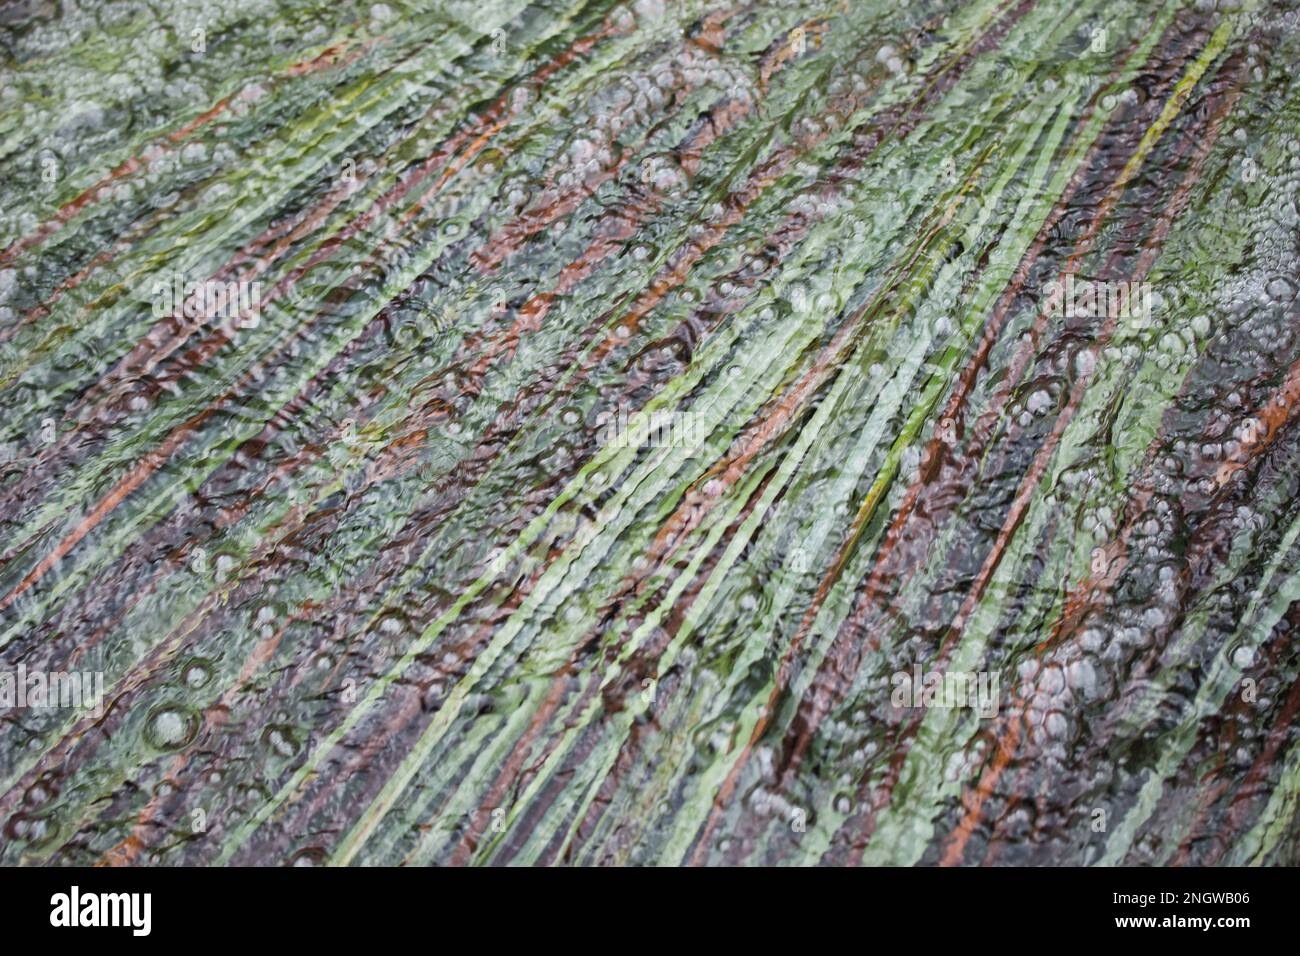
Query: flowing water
(654, 432)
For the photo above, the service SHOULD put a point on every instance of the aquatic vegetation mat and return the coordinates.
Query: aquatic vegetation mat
(686, 432)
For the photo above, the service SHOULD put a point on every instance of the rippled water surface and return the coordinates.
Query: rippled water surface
(649, 432)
